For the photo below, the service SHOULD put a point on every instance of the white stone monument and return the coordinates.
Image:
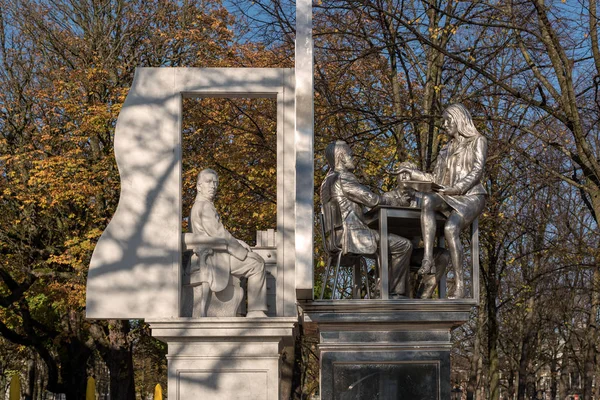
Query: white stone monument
(135, 271)
(136, 268)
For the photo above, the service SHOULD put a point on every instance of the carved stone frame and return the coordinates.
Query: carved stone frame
(135, 271)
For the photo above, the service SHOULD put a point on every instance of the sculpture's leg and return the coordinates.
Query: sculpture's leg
(253, 268)
(441, 259)
(377, 276)
(429, 283)
(356, 281)
(452, 231)
(204, 299)
(326, 277)
(401, 249)
(430, 203)
(366, 268)
(337, 270)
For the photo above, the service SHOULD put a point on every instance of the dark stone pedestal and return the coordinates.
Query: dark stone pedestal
(385, 349)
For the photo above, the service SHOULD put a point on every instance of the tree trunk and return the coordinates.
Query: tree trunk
(120, 365)
(591, 355)
(493, 332)
(527, 346)
(553, 377)
(494, 365)
(474, 371)
(597, 392)
(3, 385)
(511, 384)
(523, 365)
(114, 345)
(31, 376)
(296, 388)
(426, 131)
(563, 386)
(397, 105)
(75, 375)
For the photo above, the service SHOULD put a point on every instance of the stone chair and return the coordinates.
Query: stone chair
(331, 232)
(198, 300)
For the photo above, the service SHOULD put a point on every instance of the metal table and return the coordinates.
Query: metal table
(402, 221)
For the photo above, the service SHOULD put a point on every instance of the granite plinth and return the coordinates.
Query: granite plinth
(385, 349)
(224, 358)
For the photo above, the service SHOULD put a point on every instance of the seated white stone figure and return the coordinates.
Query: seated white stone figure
(218, 257)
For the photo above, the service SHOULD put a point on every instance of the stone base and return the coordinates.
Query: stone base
(223, 358)
(385, 349)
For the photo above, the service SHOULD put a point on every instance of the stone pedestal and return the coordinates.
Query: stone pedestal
(385, 349)
(224, 358)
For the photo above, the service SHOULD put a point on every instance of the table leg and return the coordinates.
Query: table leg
(442, 283)
(383, 253)
(475, 257)
(356, 280)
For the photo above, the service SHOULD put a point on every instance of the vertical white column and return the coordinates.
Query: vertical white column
(304, 150)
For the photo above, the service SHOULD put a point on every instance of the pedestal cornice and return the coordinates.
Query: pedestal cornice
(447, 313)
(204, 328)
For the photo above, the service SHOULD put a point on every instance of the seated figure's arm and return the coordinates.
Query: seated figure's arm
(475, 174)
(212, 226)
(421, 176)
(191, 241)
(244, 244)
(397, 197)
(416, 175)
(357, 192)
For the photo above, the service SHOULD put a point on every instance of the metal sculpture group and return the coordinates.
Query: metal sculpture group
(454, 189)
(347, 197)
(138, 270)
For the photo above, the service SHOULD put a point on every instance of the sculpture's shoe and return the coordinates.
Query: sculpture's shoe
(430, 284)
(396, 296)
(256, 314)
(426, 267)
(459, 292)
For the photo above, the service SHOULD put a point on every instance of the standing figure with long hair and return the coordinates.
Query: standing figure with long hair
(458, 170)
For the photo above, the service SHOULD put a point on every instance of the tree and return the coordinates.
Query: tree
(66, 68)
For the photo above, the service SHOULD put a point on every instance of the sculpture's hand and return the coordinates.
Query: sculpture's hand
(414, 174)
(405, 171)
(450, 191)
(255, 256)
(397, 198)
(244, 244)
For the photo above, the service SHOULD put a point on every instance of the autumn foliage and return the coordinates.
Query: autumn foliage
(66, 69)
(384, 71)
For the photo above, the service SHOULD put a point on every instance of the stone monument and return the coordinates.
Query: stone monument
(186, 286)
(395, 347)
(137, 268)
(218, 258)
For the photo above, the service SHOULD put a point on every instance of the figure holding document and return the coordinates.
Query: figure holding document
(457, 191)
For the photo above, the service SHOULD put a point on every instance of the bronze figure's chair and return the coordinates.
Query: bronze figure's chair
(330, 220)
